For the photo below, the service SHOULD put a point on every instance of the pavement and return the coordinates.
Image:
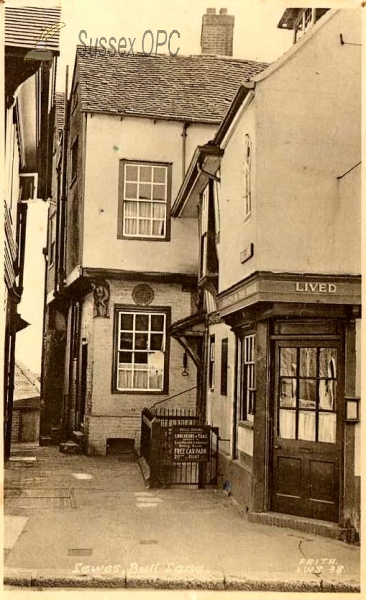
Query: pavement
(73, 521)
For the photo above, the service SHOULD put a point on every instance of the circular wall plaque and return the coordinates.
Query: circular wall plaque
(143, 294)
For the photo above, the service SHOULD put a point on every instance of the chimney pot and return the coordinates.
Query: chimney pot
(211, 11)
(223, 11)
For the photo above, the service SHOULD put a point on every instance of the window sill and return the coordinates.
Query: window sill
(136, 238)
(246, 424)
(141, 392)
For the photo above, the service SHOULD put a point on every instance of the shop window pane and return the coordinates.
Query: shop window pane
(328, 362)
(287, 424)
(327, 427)
(288, 360)
(308, 362)
(307, 396)
(288, 392)
(306, 425)
(327, 394)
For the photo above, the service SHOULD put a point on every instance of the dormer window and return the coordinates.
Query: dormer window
(247, 176)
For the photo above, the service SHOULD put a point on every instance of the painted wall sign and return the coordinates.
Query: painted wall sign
(191, 443)
(315, 287)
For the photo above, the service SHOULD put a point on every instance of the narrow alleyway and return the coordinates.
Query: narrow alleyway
(72, 519)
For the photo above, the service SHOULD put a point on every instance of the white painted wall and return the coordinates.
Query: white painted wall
(236, 231)
(110, 139)
(29, 340)
(220, 408)
(308, 134)
(305, 123)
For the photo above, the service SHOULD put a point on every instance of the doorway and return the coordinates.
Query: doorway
(307, 392)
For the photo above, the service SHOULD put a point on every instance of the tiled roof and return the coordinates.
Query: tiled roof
(190, 88)
(26, 384)
(24, 25)
(60, 109)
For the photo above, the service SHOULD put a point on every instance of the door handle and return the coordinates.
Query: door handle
(277, 447)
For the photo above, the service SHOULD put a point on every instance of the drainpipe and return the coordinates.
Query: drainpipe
(63, 199)
(184, 148)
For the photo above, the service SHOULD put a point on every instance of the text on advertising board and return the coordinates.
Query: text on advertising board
(191, 443)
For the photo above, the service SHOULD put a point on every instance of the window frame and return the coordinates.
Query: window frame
(224, 364)
(211, 363)
(121, 200)
(247, 195)
(247, 399)
(74, 160)
(52, 240)
(118, 308)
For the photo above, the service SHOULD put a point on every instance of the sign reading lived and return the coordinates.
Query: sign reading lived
(191, 443)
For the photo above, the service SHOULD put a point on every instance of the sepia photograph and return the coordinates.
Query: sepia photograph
(182, 297)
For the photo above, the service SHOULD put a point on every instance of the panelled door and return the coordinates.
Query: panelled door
(307, 428)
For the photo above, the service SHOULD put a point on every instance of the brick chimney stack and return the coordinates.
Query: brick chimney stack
(217, 32)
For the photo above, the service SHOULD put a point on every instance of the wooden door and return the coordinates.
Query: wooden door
(29, 426)
(307, 432)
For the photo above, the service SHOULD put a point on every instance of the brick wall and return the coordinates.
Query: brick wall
(15, 433)
(118, 415)
(217, 33)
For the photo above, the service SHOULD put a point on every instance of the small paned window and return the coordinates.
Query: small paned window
(74, 160)
(141, 350)
(211, 363)
(247, 176)
(145, 200)
(224, 366)
(247, 388)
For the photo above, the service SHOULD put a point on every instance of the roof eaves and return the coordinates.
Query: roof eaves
(241, 94)
(192, 173)
(156, 117)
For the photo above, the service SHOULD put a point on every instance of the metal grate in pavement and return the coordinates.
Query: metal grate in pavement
(37, 498)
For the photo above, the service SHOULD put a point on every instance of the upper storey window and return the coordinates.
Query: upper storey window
(247, 176)
(145, 200)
